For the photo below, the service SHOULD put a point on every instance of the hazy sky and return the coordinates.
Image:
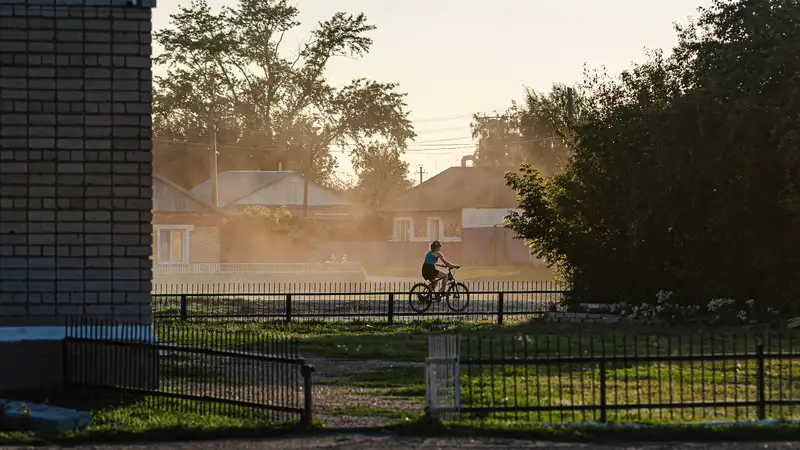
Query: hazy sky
(458, 57)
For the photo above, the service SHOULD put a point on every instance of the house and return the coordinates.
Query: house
(186, 228)
(462, 207)
(237, 189)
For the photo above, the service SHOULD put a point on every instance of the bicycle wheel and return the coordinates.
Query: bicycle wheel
(457, 297)
(420, 297)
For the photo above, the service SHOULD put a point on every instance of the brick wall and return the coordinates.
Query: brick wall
(75, 160)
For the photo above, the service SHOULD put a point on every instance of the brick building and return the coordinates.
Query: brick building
(75, 174)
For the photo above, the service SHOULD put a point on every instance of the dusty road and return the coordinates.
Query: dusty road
(392, 442)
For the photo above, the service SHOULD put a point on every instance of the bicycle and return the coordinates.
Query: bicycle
(422, 295)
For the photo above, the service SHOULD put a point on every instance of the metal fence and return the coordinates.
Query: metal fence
(390, 302)
(189, 370)
(602, 378)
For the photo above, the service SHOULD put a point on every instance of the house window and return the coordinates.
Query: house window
(172, 245)
(291, 193)
(402, 229)
(434, 228)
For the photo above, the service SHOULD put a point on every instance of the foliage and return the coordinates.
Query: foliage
(381, 174)
(267, 106)
(535, 132)
(718, 311)
(259, 234)
(685, 169)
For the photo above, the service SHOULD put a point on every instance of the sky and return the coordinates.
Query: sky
(456, 58)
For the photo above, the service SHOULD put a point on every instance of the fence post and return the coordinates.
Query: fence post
(184, 307)
(308, 400)
(390, 313)
(499, 308)
(762, 397)
(288, 307)
(603, 400)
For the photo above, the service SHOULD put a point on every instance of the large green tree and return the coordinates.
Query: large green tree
(529, 132)
(268, 104)
(381, 174)
(686, 169)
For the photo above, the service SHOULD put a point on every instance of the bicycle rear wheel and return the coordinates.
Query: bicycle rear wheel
(457, 297)
(420, 298)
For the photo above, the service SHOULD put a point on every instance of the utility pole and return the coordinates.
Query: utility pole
(421, 173)
(212, 131)
(305, 182)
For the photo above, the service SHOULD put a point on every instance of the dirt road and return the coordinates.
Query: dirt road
(393, 442)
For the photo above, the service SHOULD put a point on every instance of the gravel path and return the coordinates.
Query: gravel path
(392, 442)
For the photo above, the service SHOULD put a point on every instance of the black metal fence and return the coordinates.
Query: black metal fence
(190, 370)
(587, 378)
(494, 301)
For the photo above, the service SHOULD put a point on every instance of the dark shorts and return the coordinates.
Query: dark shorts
(429, 272)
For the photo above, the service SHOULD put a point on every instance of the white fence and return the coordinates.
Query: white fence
(214, 268)
(443, 377)
(211, 277)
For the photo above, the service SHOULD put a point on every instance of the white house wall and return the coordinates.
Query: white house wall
(483, 217)
(282, 193)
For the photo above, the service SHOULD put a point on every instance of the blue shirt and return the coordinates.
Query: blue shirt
(431, 258)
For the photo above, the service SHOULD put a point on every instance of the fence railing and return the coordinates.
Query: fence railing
(189, 371)
(602, 378)
(362, 303)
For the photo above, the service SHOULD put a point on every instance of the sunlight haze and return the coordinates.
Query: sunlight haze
(455, 58)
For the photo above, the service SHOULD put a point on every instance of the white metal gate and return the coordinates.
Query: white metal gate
(443, 377)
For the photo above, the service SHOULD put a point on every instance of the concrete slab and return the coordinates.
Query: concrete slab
(23, 416)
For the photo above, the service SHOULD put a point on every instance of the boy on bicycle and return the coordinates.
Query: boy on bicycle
(430, 272)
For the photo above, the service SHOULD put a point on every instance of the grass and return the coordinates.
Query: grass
(529, 384)
(152, 420)
(552, 386)
(409, 342)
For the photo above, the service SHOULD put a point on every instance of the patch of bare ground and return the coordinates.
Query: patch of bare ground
(332, 402)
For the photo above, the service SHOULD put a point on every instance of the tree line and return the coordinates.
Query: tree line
(682, 172)
(231, 73)
(227, 72)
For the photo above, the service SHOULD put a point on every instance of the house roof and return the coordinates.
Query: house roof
(234, 185)
(458, 188)
(176, 187)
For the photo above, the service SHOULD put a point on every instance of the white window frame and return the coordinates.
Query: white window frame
(396, 235)
(185, 230)
(429, 228)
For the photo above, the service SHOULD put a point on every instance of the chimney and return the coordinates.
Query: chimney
(280, 166)
(466, 159)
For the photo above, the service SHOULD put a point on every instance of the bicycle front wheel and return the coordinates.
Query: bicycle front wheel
(420, 298)
(457, 297)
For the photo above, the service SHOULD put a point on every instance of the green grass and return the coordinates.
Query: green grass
(409, 342)
(153, 420)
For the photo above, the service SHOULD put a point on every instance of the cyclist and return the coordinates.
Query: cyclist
(429, 271)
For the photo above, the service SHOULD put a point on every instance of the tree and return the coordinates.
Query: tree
(381, 174)
(533, 132)
(685, 169)
(267, 106)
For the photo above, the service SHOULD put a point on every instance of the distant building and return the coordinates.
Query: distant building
(238, 189)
